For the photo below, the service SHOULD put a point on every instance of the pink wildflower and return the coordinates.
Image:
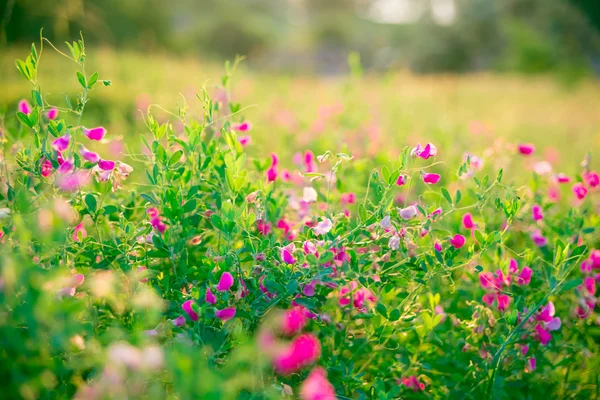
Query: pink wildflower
(580, 190)
(52, 113)
(537, 212)
(62, 143)
(225, 314)
(225, 282)
(304, 350)
(79, 229)
(24, 107)
(210, 297)
(106, 165)
(526, 148)
(430, 179)
(458, 241)
(592, 179)
(95, 133)
(293, 321)
(317, 387)
(187, 307)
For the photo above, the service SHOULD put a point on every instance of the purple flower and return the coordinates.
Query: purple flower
(225, 282)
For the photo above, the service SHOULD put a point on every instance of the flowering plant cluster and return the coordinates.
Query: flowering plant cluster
(189, 264)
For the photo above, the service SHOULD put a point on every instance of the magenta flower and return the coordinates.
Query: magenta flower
(436, 212)
(438, 247)
(62, 143)
(542, 335)
(426, 152)
(458, 241)
(309, 162)
(304, 350)
(412, 382)
(71, 182)
(72, 284)
(52, 113)
(503, 302)
(89, 155)
(348, 198)
(106, 165)
(402, 179)
(242, 127)
(187, 307)
(287, 254)
(225, 314)
(24, 107)
(467, 221)
(537, 212)
(225, 282)
(95, 133)
(538, 238)
(309, 248)
(46, 168)
(526, 148)
(317, 387)
(245, 140)
(430, 179)
(562, 178)
(525, 276)
(293, 321)
(580, 190)
(592, 179)
(179, 321)
(66, 167)
(210, 297)
(79, 229)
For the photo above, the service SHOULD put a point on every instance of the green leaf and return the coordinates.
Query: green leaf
(90, 202)
(24, 119)
(447, 196)
(394, 315)
(380, 308)
(458, 197)
(175, 157)
(110, 209)
(362, 212)
(92, 81)
(81, 80)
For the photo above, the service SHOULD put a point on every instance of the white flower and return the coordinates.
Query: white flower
(408, 212)
(323, 226)
(386, 223)
(309, 195)
(394, 242)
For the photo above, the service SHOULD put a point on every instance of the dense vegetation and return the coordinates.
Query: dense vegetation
(210, 258)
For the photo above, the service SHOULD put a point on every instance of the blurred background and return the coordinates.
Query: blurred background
(366, 75)
(528, 36)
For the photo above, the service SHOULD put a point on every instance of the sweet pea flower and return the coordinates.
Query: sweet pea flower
(430, 179)
(402, 179)
(437, 212)
(386, 222)
(187, 307)
(538, 238)
(242, 127)
(225, 282)
(72, 182)
(95, 133)
(62, 143)
(525, 276)
(537, 212)
(562, 178)
(66, 167)
(438, 247)
(542, 335)
(426, 152)
(52, 113)
(317, 387)
(542, 168)
(272, 171)
(245, 140)
(210, 298)
(526, 148)
(287, 254)
(72, 284)
(580, 190)
(79, 229)
(89, 156)
(309, 195)
(467, 221)
(24, 107)
(458, 241)
(106, 165)
(394, 243)
(323, 226)
(408, 212)
(225, 314)
(46, 168)
(309, 248)
(531, 364)
(412, 382)
(179, 321)
(302, 351)
(503, 302)
(309, 162)
(293, 321)
(592, 179)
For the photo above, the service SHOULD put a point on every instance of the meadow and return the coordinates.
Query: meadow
(183, 230)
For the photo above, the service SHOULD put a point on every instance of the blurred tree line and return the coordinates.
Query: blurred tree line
(529, 36)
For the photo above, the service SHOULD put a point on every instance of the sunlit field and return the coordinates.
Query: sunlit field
(176, 229)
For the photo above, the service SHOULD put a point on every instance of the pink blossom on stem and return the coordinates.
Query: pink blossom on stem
(210, 297)
(52, 113)
(458, 241)
(24, 107)
(467, 221)
(293, 321)
(430, 178)
(95, 133)
(592, 179)
(79, 229)
(537, 212)
(179, 321)
(242, 127)
(438, 246)
(66, 167)
(187, 307)
(46, 168)
(225, 282)
(62, 143)
(539, 239)
(526, 149)
(304, 350)
(287, 254)
(89, 155)
(580, 190)
(245, 140)
(225, 314)
(525, 276)
(402, 179)
(317, 387)
(323, 226)
(106, 165)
